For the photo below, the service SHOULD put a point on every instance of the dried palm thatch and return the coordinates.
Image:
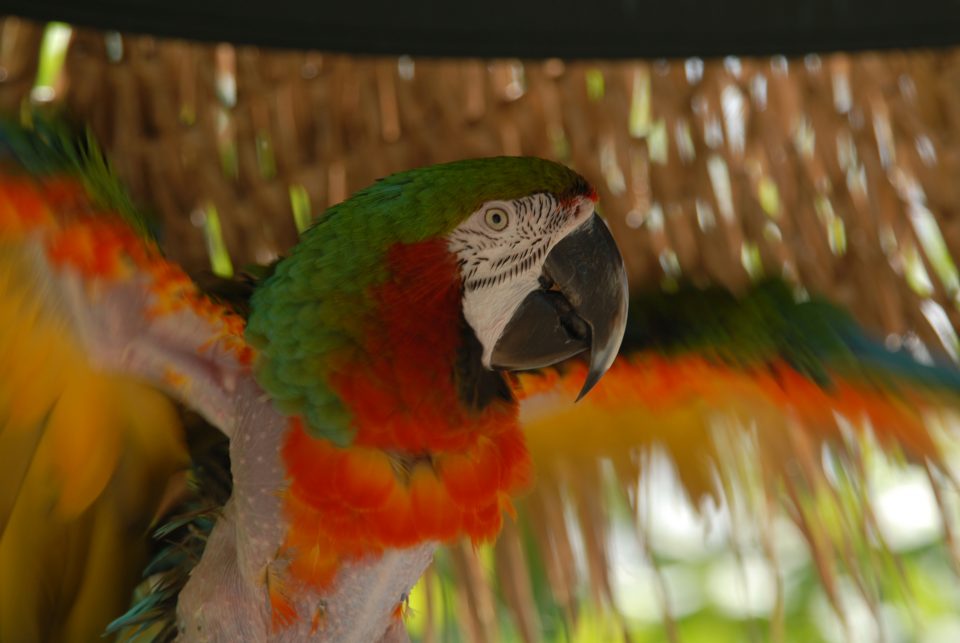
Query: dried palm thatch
(837, 171)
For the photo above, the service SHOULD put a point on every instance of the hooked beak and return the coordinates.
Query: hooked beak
(581, 304)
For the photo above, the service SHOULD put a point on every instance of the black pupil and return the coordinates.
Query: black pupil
(496, 218)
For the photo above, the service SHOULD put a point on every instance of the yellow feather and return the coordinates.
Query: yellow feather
(85, 459)
(83, 434)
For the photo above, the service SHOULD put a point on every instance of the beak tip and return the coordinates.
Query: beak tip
(587, 386)
(609, 320)
(600, 363)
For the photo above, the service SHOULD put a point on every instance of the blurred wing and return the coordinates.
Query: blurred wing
(744, 397)
(784, 368)
(93, 325)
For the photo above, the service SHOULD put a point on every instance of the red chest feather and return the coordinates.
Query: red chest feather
(402, 392)
(423, 467)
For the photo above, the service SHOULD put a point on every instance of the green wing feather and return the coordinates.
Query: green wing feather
(46, 145)
(772, 322)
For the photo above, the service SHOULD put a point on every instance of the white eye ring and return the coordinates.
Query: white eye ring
(496, 219)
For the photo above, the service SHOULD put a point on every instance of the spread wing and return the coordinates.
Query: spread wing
(770, 405)
(97, 332)
(784, 368)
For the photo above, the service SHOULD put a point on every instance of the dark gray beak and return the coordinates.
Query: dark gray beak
(581, 304)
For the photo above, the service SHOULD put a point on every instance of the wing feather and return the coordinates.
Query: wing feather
(98, 334)
(765, 403)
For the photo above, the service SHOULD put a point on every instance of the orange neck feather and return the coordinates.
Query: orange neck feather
(423, 467)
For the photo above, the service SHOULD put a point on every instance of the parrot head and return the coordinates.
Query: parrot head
(461, 270)
(542, 281)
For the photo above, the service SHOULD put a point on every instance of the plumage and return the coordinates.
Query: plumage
(87, 457)
(95, 457)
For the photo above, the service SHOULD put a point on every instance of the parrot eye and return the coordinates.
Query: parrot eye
(496, 219)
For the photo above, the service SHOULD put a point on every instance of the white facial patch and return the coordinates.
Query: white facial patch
(501, 249)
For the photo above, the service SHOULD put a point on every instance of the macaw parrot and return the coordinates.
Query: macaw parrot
(364, 395)
(306, 437)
